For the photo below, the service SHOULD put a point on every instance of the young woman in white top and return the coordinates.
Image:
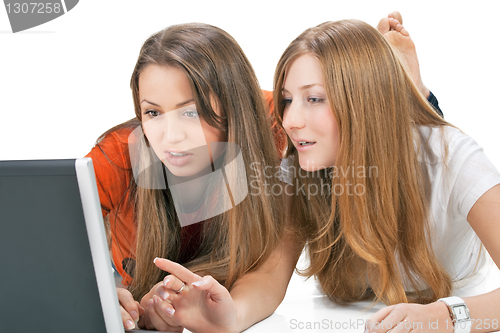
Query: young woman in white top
(406, 200)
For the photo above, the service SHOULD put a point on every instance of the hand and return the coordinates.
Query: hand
(203, 305)
(158, 311)
(130, 309)
(417, 318)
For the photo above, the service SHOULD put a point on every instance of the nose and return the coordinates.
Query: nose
(173, 129)
(293, 117)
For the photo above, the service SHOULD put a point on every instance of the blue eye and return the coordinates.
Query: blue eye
(316, 100)
(152, 113)
(191, 114)
(286, 102)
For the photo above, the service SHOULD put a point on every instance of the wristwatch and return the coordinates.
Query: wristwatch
(459, 312)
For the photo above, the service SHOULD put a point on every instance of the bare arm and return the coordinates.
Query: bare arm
(484, 217)
(266, 286)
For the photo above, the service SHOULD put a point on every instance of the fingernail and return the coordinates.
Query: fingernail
(163, 294)
(199, 283)
(134, 315)
(170, 311)
(154, 261)
(130, 324)
(150, 302)
(165, 281)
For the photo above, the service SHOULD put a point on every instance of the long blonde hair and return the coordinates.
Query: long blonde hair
(369, 240)
(240, 239)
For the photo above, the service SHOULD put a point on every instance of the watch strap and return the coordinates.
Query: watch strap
(459, 325)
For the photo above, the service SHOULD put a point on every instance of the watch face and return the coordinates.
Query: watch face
(460, 312)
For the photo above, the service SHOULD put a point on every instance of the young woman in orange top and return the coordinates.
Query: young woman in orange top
(201, 137)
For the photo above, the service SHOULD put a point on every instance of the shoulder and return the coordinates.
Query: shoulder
(112, 167)
(445, 144)
(450, 150)
(268, 97)
(459, 170)
(113, 147)
(269, 102)
(118, 138)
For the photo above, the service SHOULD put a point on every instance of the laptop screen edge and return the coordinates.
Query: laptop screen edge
(98, 245)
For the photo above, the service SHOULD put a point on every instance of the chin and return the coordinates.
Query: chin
(181, 174)
(311, 167)
(188, 172)
(179, 171)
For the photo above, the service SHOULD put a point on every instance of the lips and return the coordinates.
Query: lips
(177, 154)
(177, 157)
(302, 144)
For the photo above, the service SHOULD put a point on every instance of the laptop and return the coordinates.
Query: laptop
(55, 267)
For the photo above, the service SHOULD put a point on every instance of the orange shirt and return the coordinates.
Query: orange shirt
(112, 167)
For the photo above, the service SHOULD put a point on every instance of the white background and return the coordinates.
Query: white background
(65, 82)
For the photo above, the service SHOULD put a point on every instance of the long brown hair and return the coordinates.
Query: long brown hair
(368, 231)
(240, 239)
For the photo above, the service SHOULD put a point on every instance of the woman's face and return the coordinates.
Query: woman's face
(175, 131)
(308, 118)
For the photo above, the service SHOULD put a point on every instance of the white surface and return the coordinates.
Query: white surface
(306, 309)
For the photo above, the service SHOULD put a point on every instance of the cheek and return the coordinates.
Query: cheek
(150, 133)
(284, 121)
(324, 123)
(212, 134)
(330, 132)
(154, 137)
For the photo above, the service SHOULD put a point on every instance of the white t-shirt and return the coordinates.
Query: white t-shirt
(459, 177)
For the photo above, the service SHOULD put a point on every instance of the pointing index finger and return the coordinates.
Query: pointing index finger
(179, 271)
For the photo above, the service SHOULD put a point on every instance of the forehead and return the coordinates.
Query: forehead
(305, 70)
(164, 84)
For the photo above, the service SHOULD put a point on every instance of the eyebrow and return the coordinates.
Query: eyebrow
(304, 87)
(177, 106)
